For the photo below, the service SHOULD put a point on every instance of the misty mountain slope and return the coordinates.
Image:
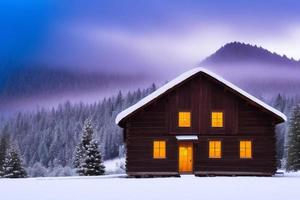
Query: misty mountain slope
(33, 85)
(37, 80)
(256, 69)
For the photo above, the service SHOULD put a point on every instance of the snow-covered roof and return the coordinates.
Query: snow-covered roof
(187, 137)
(185, 76)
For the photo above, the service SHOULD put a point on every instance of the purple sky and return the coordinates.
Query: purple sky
(155, 38)
(141, 36)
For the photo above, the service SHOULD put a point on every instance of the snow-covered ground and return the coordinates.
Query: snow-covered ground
(118, 187)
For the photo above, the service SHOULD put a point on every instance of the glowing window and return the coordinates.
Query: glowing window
(217, 119)
(159, 149)
(184, 119)
(245, 149)
(215, 149)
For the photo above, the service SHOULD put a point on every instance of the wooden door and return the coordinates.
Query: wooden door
(185, 157)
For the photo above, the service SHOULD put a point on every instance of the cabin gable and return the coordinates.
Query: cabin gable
(200, 96)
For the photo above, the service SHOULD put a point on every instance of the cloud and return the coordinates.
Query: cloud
(150, 35)
(183, 49)
(160, 49)
(286, 43)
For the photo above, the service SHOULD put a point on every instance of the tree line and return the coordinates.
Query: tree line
(87, 157)
(293, 141)
(47, 138)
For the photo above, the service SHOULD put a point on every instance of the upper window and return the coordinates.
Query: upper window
(245, 149)
(217, 119)
(215, 149)
(184, 119)
(159, 149)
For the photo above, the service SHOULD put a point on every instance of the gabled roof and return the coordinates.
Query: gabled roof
(145, 101)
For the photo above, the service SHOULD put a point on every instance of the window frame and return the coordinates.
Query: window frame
(217, 128)
(246, 140)
(221, 149)
(191, 116)
(153, 149)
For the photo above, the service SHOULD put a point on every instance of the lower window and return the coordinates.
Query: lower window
(159, 149)
(245, 149)
(215, 149)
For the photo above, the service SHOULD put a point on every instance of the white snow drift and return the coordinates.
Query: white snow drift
(116, 187)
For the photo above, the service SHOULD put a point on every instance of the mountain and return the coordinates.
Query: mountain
(237, 52)
(256, 69)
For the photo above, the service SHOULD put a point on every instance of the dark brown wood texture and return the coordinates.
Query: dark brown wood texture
(201, 95)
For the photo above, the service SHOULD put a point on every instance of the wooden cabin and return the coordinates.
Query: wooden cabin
(200, 124)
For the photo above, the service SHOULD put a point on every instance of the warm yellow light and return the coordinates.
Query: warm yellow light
(185, 158)
(159, 149)
(217, 119)
(245, 149)
(184, 119)
(215, 149)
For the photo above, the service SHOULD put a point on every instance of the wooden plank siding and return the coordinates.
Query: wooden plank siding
(201, 95)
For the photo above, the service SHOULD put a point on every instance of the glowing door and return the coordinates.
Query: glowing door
(185, 157)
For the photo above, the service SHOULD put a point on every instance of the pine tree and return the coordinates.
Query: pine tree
(88, 160)
(78, 156)
(153, 87)
(293, 155)
(280, 103)
(119, 100)
(13, 164)
(80, 149)
(4, 141)
(92, 164)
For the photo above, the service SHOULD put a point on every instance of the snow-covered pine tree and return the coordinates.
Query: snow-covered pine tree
(78, 156)
(80, 149)
(13, 167)
(92, 163)
(88, 160)
(4, 142)
(293, 147)
(280, 103)
(87, 133)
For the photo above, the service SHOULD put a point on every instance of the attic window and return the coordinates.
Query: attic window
(159, 149)
(217, 119)
(184, 119)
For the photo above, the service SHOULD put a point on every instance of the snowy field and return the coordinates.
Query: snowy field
(118, 187)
